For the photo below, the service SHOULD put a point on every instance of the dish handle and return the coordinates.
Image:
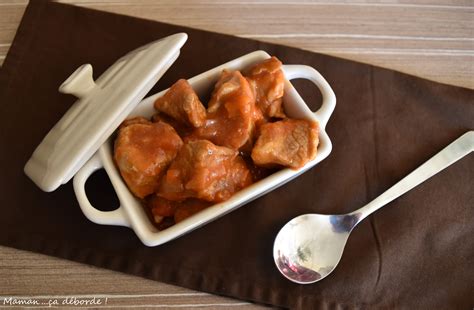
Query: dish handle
(115, 217)
(329, 98)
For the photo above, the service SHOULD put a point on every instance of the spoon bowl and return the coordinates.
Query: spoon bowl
(309, 247)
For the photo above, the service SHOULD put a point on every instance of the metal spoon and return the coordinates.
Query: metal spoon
(309, 247)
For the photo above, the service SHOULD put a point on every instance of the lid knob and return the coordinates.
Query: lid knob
(79, 83)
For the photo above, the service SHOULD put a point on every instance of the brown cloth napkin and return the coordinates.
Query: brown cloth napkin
(418, 252)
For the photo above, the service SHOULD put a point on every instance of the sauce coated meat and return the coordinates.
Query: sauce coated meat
(205, 171)
(181, 103)
(188, 208)
(182, 129)
(238, 140)
(231, 113)
(163, 209)
(267, 82)
(135, 120)
(290, 143)
(142, 152)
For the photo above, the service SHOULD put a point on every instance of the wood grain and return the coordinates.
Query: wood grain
(433, 39)
(41, 277)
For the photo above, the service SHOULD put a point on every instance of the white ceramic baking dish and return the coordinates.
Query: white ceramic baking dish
(131, 212)
(82, 141)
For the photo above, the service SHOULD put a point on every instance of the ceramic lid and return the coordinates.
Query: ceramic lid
(102, 106)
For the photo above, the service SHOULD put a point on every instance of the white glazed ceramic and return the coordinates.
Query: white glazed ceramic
(101, 106)
(131, 212)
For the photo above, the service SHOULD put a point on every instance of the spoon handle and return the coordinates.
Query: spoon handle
(449, 155)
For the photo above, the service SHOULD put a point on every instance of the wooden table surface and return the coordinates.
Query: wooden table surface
(433, 39)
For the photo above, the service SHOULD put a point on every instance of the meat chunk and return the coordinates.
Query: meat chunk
(189, 208)
(134, 120)
(204, 171)
(164, 210)
(267, 82)
(181, 103)
(142, 153)
(231, 113)
(291, 143)
(161, 207)
(182, 129)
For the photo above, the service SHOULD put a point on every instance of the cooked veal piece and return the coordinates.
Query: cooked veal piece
(162, 208)
(182, 129)
(218, 155)
(142, 152)
(135, 120)
(205, 171)
(290, 143)
(181, 103)
(267, 82)
(230, 117)
(188, 208)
